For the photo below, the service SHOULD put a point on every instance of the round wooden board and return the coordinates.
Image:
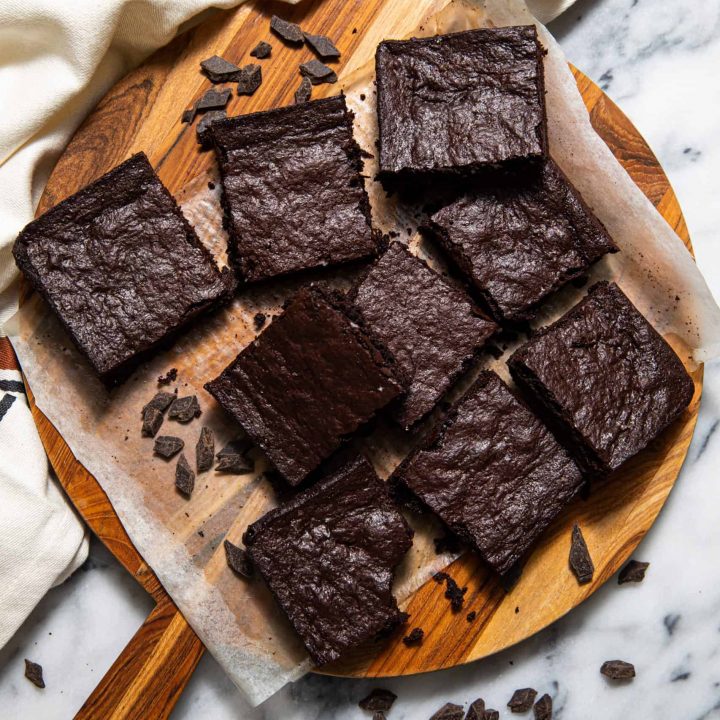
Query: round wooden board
(142, 112)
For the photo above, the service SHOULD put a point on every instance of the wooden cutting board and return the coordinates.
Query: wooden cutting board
(142, 112)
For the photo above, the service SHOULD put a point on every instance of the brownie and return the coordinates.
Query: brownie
(519, 239)
(604, 378)
(293, 194)
(121, 267)
(493, 473)
(431, 328)
(329, 557)
(455, 104)
(308, 381)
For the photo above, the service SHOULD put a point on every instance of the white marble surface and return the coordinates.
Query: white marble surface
(658, 59)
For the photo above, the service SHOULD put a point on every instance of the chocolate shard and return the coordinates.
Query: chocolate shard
(262, 50)
(379, 700)
(249, 80)
(188, 115)
(449, 711)
(414, 637)
(491, 714)
(167, 445)
(238, 446)
(580, 561)
(152, 420)
(219, 70)
(185, 409)
(522, 700)
(322, 45)
(618, 670)
(213, 100)
(34, 673)
(476, 711)
(238, 560)
(205, 450)
(543, 708)
(184, 476)
(379, 715)
(203, 127)
(289, 32)
(234, 464)
(633, 572)
(318, 72)
(169, 377)
(162, 401)
(304, 91)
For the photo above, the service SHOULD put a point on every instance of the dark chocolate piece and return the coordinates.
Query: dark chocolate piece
(302, 164)
(543, 708)
(185, 409)
(633, 572)
(188, 115)
(213, 100)
(379, 700)
(304, 91)
(249, 79)
(322, 45)
(204, 126)
(522, 700)
(219, 70)
(234, 464)
(262, 50)
(167, 446)
(493, 473)
(317, 72)
(205, 450)
(379, 715)
(476, 711)
(453, 592)
(289, 32)
(161, 401)
(604, 378)
(169, 377)
(237, 560)
(238, 446)
(414, 637)
(491, 714)
(34, 673)
(449, 711)
(184, 476)
(433, 329)
(152, 420)
(259, 321)
(618, 670)
(520, 239)
(125, 234)
(580, 561)
(329, 556)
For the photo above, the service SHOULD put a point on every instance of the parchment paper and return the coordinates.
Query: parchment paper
(237, 620)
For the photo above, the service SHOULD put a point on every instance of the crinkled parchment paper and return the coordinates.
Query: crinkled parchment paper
(237, 620)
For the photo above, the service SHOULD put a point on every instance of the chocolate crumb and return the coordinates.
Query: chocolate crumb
(201, 533)
(304, 92)
(184, 409)
(203, 127)
(213, 100)
(414, 637)
(184, 476)
(471, 616)
(205, 450)
(476, 711)
(289, 32)
(262, 50)
(322, 45)
(453, 592)
(170, 376)
(167, 445)
(362, 97)
(34, 673)
(249, 79)
(449, 711)
(259, 320)
(543, 708)
(618, 670)
(379, 700)
(580, 561)
(238, 560)
(219, 70)
(318, 72)
(522, 700)
(633, 572)
(152, 420)
(211, 185)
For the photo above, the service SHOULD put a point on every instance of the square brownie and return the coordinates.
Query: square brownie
(329, 557)
(432, 329)
(121, 267)
(493, 473)
(306, 383)
(293, 194)
(604, 378)
(458, 103)
(519, 239)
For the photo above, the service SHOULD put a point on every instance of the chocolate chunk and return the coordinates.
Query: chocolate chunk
(379, 700)
(322, 45)
(304, 91)
(449, 711)
(249, 80)
(453, 592)
(189, 115)
(491, 714)
(238, 560)
(205, 450)
(213, 100)
(219, 70)
(318, 72)
(379, 715)
(184, 476)
(152, 420)
(633, 572)
(289, 32)
(259, 320)
(471, 616)
(580, 561)
(238, 446)
(184, 409)
(167, 445)
(522, 700)
(543, 708)
(414, 637)
(262, 50)
(34, 673)
(476, 711)
(234, 464)
(203, 127)
(162, 401)
(618, 670)
(169, 377)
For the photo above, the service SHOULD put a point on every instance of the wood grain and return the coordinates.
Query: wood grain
(142, 112)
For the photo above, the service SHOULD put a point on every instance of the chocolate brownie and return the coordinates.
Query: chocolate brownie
(458, 103)
(293, 194)
(308, 381)
(519, 239)
(431, 328)
(329, 557)
(604, 378)
(493, 473)
(121, 267)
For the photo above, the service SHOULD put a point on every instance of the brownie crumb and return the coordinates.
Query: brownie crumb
(289, 32)
(453, 592)
(543, 708)
(322, 45)
(522, 700)
(261, 51)
(379, 700)
(219, 70)
(633, 572)
(449, 711)
(203, 127)
(238, 560)
(249, 79)
(201, 533)
(166, 446)
(471, 616)
(476, 711)
(184, 476)
(171, 375)
(213, 100)
(259, 320)
(211, 185)
(580, 561)
(318, 72)
(34, 673)
(185, 409)
(414, 637)
(205, 450)
(618, 670)
(152, 420)
(362, 97)
(304, 92)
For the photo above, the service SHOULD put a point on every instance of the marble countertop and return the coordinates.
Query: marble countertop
(658, 60)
